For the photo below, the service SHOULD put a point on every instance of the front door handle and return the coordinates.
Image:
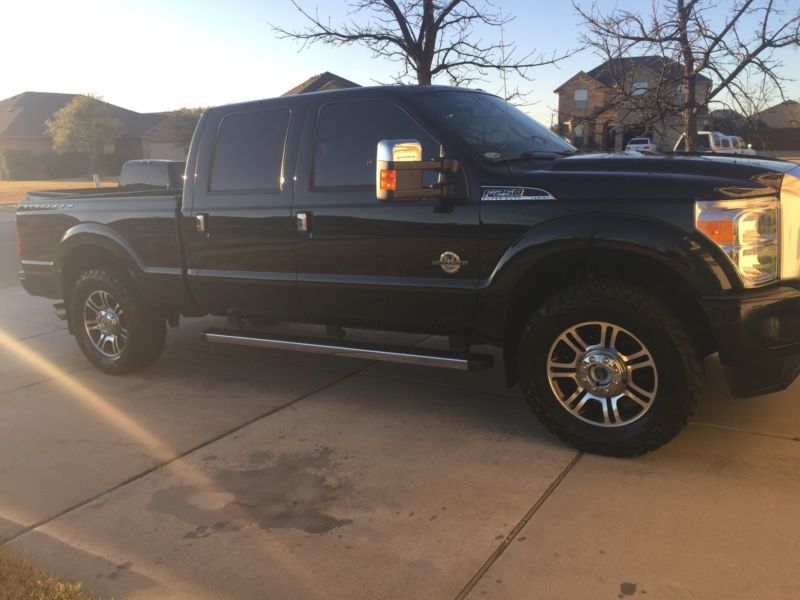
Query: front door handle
(201, 223)
(303, 220)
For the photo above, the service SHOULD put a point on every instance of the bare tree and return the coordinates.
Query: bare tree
(712, 58)
(428, 38)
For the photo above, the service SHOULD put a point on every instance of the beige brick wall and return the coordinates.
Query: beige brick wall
(594, 119)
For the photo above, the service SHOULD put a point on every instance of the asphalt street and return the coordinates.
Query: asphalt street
(226, 472)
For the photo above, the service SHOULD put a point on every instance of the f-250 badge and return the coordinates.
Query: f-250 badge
(500, 193)
(450, 262)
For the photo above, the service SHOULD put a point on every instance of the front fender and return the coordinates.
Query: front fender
(584, 238)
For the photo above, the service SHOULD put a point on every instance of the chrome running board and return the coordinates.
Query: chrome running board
(401, 354)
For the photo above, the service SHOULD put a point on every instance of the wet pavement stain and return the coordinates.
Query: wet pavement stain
(289, 493)
(120, 569)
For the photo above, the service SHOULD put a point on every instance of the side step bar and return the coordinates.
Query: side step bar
(414, 356)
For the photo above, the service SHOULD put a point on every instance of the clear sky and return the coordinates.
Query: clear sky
(154, 55)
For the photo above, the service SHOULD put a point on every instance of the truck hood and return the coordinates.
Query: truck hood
(631, 175)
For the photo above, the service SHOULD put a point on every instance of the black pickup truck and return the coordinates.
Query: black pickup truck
(605, 278)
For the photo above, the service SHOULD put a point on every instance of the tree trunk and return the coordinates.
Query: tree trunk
(426, 44)
(691, 129)
(690, 101)
(93, 161)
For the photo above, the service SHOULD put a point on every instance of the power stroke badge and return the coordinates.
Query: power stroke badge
(450, 262)
(500, 193)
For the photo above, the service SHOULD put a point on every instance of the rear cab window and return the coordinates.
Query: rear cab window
(249, 150)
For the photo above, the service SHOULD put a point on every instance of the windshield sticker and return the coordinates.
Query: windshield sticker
(498, 193)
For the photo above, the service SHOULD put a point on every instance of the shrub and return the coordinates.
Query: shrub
(20, 164)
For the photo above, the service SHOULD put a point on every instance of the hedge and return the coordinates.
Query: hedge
(24, 164)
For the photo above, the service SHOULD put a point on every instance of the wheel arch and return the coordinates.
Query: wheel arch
(654, 257)
(91, 245)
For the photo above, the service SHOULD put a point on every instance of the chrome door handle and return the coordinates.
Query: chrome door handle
(200, 223)
(303, 221)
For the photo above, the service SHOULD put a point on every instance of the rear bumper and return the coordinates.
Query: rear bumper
(758, 336)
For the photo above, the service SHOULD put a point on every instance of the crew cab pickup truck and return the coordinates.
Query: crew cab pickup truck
(712, 141)
(605, 279)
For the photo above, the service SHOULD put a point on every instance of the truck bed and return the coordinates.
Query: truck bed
(144, 223)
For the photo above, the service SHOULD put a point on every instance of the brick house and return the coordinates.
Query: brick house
(593, 114)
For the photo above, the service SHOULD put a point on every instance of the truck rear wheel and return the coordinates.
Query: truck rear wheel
(116, 331)
(609, 368)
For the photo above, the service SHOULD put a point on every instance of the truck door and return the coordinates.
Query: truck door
(410, 265)
(240, 231)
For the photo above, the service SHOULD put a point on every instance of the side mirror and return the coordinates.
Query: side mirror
(399, 168)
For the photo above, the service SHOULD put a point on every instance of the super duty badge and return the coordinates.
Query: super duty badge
(499, 193)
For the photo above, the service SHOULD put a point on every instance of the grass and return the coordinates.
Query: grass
(12, 192)
(19, 580)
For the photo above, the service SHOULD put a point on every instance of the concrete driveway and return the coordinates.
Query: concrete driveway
(228, 472)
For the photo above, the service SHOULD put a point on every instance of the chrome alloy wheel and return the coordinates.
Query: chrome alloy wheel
(104, 322)
(602, 374)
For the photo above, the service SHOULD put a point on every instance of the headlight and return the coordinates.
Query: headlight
(790, 225)
(748, 233)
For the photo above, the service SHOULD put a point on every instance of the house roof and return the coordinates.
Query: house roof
(785, 114)
(25, 114)
(612, 71)
(318, 83)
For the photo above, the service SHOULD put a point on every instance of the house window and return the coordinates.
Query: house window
(581, 98)
(639, 88)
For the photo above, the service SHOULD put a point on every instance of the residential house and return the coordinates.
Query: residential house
(781, 127)
(23, 118)
(318, 83)
(143, 135)
(598, 109)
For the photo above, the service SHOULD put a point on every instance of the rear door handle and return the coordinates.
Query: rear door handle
(201, 223)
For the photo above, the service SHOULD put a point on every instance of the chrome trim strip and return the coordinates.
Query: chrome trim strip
(262, 275)
(38, 263)
(462, 364)
(163, 270)
(393, 282)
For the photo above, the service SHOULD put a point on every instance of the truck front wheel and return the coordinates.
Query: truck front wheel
(116, 331)
(609, 368)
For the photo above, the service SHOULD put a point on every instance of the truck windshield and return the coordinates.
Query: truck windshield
(494, 128)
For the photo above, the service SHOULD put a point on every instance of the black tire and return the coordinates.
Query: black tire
(145, 329)
(675, 377)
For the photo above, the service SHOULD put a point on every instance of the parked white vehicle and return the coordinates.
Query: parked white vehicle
(714, 141)
(741, 147)
(641, 144)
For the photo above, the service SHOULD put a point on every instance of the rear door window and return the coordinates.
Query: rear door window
(248, 155)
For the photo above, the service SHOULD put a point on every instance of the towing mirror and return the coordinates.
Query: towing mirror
(399, 168)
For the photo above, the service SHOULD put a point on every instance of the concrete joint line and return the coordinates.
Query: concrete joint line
(515, 532)
(776, 436)
(158, 466)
